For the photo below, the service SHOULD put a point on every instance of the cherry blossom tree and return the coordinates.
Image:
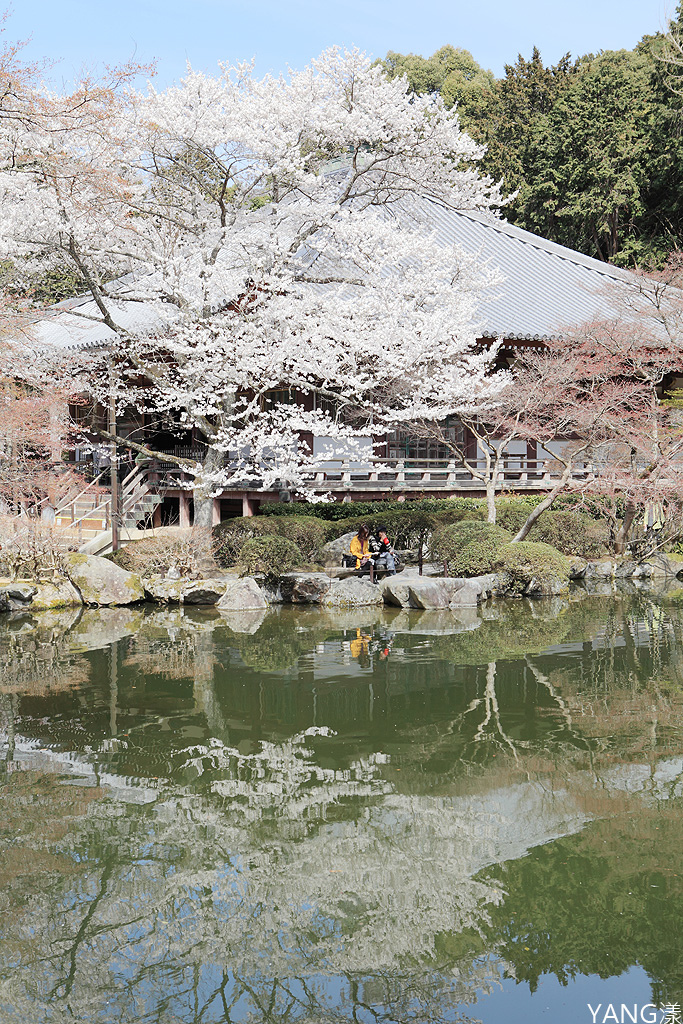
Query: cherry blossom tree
(276, 238)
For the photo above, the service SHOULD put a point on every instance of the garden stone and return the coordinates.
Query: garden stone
(626, 569)
(331, 553)
(352, 593)
(304, 587)
(162, 591)
(204, 592)
(101, 582)
(434, 593)
(61, 594)
(549, 588)
(599, 570)
(242, 595)
(395, 591)
(466, 597)
(16, 597)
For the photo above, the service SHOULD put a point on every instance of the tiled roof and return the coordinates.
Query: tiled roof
(545, 288)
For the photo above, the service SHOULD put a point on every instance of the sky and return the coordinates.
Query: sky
(278, 33)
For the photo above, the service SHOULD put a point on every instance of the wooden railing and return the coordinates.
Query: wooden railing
(436, 474)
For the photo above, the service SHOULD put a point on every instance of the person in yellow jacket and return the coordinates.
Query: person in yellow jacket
(360, 547)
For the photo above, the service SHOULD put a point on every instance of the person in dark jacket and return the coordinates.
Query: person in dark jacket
(385, 556)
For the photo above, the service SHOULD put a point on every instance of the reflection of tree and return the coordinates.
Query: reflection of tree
(36, 655)
(255, 864)
(290, 873)
(598, 902)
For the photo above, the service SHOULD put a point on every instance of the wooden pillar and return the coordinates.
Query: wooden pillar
(185, 509)
(247, 506)
(216, 513)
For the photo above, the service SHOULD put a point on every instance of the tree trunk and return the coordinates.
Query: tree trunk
(536, 514)
(204, 488)
(491, 498)
(622, 535)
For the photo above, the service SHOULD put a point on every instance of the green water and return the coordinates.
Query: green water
(371, 816)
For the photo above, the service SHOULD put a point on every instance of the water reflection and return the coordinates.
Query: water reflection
(376, 815)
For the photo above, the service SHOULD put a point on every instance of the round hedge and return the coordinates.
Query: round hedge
(307, 533)
(270, 555)
(468, 548)
(528, 561)
(572, 532)
(230, 536)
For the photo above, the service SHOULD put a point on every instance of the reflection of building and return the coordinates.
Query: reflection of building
(546, 289)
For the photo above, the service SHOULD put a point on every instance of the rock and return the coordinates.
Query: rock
(548, 588)
(16, 597)
(352, 593)
(661, 566)
(61, 594)
(242, 595)
(599, 570)
(304, 587)
(331, 553)
(412, 591)
(101, 582)
(433, 592)
(627, 568)
(487, 585)
(466, 597)
(204, 592)
(270, 590)
(162, 591)
(395, 590)
(578, 569)
(172, 573)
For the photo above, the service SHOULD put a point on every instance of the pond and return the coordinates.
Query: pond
(368, 816)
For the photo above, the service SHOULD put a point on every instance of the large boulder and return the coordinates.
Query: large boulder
(203, 591)
(352, 593)
(242, 595)
(304, 587)
(16, 597)
(331, 553)
(434, 593)
(599, 570)
(60, 594)
(101, 582)
(395, 590)
(165, 591)
(429, 592)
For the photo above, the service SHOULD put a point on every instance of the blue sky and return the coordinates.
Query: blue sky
(90, 32)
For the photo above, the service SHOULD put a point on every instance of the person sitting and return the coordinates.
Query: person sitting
(385, 557)
(360, 548)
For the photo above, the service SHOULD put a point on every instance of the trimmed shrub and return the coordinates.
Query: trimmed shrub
(230, 536)
(572, 532)
(334, 511)
(512, 513)
(270, 555)
(307, 533)
(469, 548)
(526, 561)
(188, 551)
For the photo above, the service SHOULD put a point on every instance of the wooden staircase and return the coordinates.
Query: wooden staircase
(84, 521)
